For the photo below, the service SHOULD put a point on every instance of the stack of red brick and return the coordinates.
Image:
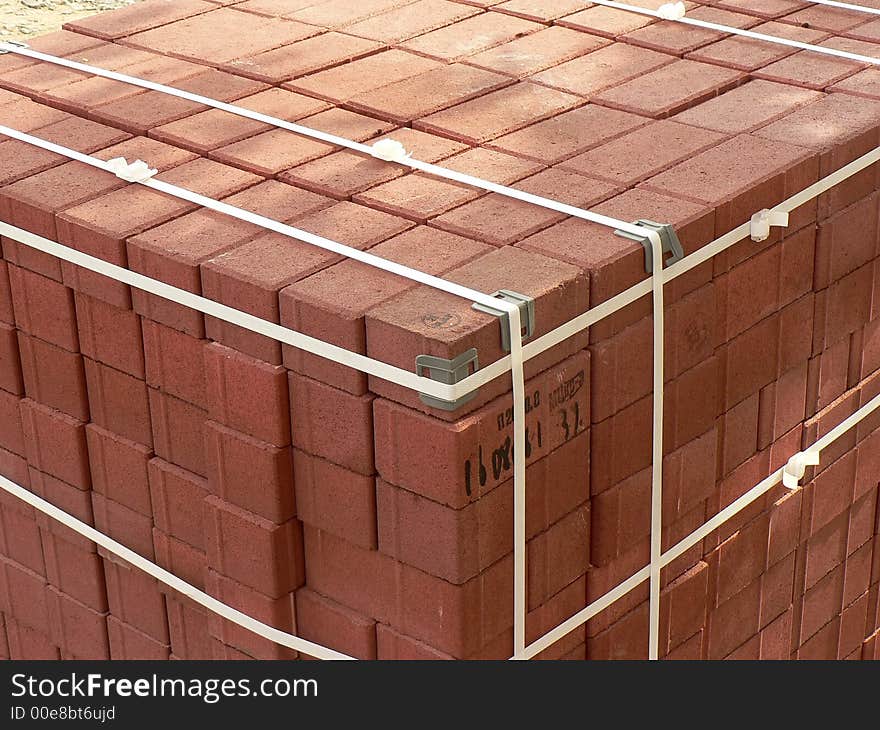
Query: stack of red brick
(343, 508)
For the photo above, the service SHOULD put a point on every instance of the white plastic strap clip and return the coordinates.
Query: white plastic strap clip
(672, 11)
(390, 150)
(763, 220)
(137, 171)
(796, 467)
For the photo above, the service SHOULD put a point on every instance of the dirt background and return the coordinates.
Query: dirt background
(26, 18)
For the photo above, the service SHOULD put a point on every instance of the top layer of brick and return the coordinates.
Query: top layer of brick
(596, 107)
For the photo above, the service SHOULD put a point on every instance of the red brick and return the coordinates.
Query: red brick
(27, 643)
(178, 431)
(119, 402)
(857, 573)
(747, 107)
(175, 362)
(734, 621)
(11, 433)
(119, 469)
(414, 97)
(535, 52)
(621, 371)
(841, 128)
(679, 38)
(325, 622)
(78, 573)
(33, 202)
(177, 497)
(128, 643)
(784, 533)
(186, 562)
(413, 323)
(411, 19)
(237, 462)
(455, 619)
(457, 544)
(124, 21)
(76, 628)
(470, 36)
(20, 535)
(625, 438)
(206, 37)
(249, 279)
(601, 69)
(748, 54)
(341, 83)
(621, 514)
(743, 188)
(482, 119)
(188, 624)
(248, 395)
(540, 11)
(392, 644)
(56, 443)
(861, 519)
(670, 89)
(774, 278)
(332, 304)
(44, 308)
(83, 96)
(10, 364)
(471, 455)
(843, 307)
(421, 197)
(277, 612)
(110, 335)
(143, 112)
(172, 252)
(124, 525)
(822, 603)
(616, 263)
(87, 228)
(252, 550)
(272, 152)
(24, 595)
(738, 431)
(500, 220)
(332, 424)
(134, 597)
(346, 173)
(348, 510)
(682, 613)
(755, 358)
(340, 15)
(7, 313)
(53, 376)
(216, 128)
(636, 155)
(72, 500)
(303, 57)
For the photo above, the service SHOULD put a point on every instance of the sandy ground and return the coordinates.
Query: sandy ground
(26, 18)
